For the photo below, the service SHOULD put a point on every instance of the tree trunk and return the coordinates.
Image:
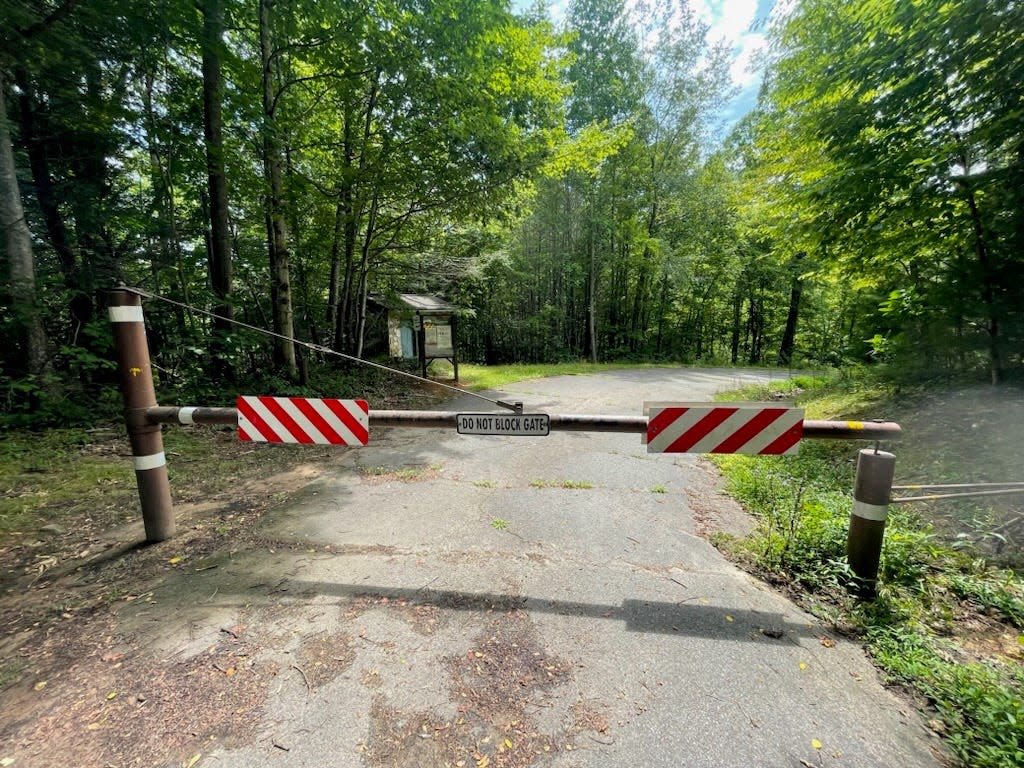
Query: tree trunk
(662, 311)
(737, 306)
(40, 166)
(353, 213)
(213, 133)
(333, 281)
(277, 231)
(18, 244)
(364, 269)
(987, 290)
(165, 260)
(796, 289)
(592, 288)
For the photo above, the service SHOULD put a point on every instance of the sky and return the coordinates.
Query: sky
(741, 23)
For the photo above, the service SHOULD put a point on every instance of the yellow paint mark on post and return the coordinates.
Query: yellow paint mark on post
(858, 425)
(134, 371)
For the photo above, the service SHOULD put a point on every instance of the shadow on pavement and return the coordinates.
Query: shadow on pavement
(680, 618)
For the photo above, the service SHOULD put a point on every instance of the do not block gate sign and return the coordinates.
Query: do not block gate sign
(724, 428)
(305, 420)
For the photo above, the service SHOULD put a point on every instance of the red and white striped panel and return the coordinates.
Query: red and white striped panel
(306, 420)
(725, 428)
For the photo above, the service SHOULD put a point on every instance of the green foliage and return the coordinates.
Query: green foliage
(981, 704)
(481, 377)
(888, 146)
(802, 515)
(90, 479)
(802, 505)
(1001, 591)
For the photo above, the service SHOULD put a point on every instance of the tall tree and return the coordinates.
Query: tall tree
(892, 135)
(217, 183)
(277, 228)
(20, 259)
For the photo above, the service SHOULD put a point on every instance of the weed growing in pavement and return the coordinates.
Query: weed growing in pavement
(569, 484)
(659, 489)
(933, 597)
(498, 524)
(408, 474)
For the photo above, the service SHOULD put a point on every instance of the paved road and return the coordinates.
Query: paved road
(498, 601)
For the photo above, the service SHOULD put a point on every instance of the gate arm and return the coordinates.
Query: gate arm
(852, 430)
(831, 430)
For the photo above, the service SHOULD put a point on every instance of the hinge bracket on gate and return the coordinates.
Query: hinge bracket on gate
(516, 407)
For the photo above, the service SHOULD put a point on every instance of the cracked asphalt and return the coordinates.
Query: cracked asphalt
(499, 601)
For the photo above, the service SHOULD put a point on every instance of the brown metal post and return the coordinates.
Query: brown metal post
(455, 349)
(136, 376)
(871, 493)
(422, 336)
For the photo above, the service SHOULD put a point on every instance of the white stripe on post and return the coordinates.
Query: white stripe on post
(876, 512)
(149, 462)
(185, 415)
(125, 314)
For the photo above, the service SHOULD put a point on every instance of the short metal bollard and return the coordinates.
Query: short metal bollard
(136, 375)
(871, 493)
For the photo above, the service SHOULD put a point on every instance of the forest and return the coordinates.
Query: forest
(568, 184)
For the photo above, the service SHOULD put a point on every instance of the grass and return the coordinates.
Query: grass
(408, 474)
(937, 622)
(481, 377)
(55, 474)
(659, 489)
(75, 477)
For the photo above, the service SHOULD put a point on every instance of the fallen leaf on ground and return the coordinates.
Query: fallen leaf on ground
(111, 695)
(175, 560)
(729, 619)
(39, 686)
(803, 665)
(826, 641)
(815, 743)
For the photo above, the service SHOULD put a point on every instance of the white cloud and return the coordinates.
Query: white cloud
(729, 19)
(731, 22)
(745, 68)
